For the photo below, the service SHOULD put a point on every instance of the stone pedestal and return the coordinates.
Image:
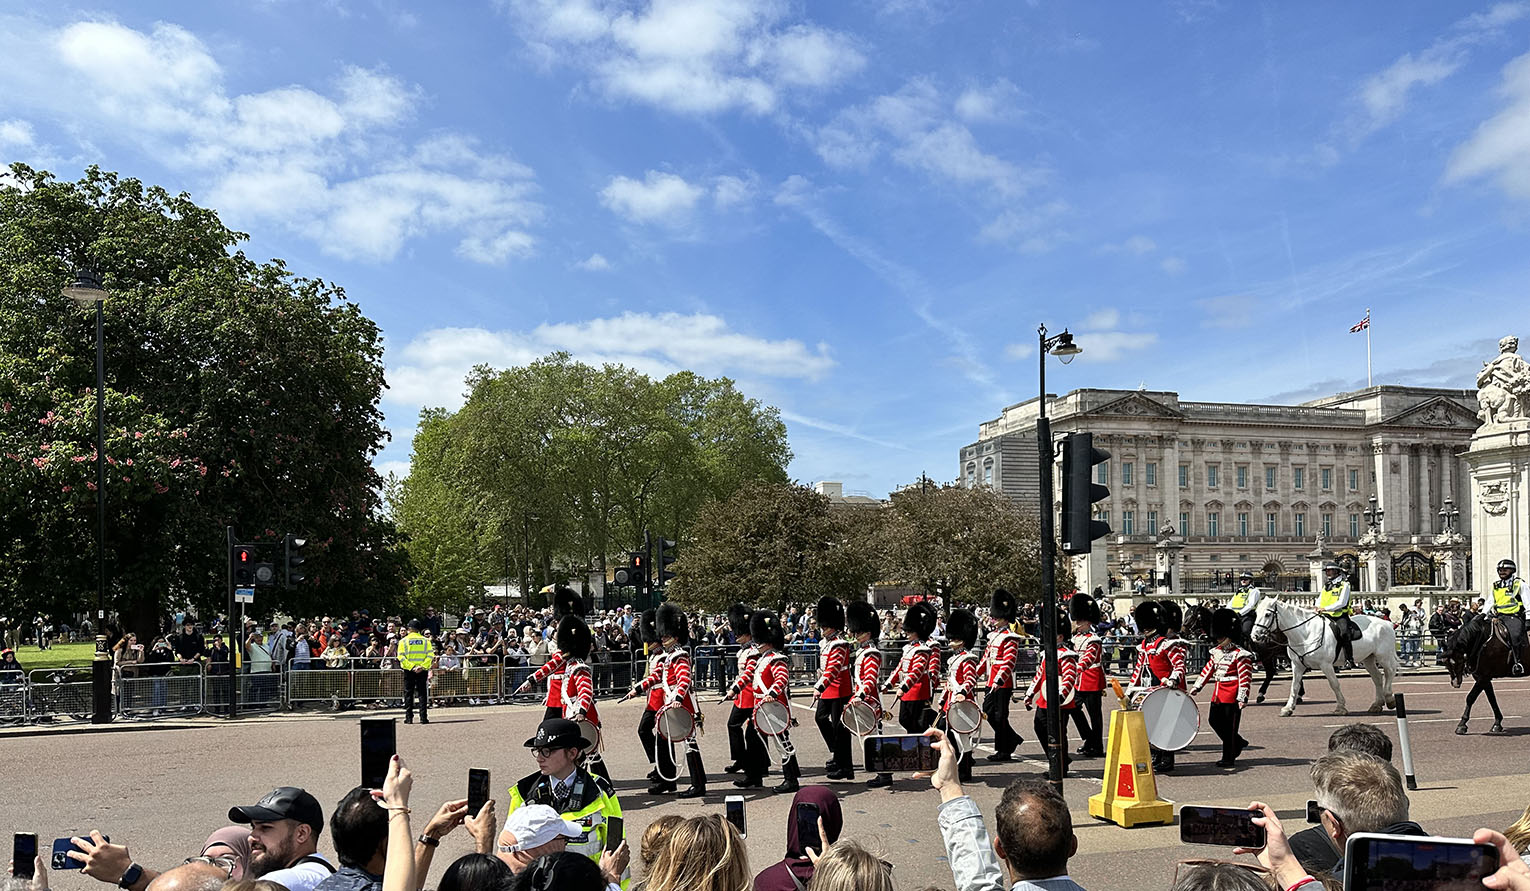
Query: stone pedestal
(1315, 560)
(1451, 551)
(1376, 554)
(1092, 570)
(1499, 458)
(1166, 566)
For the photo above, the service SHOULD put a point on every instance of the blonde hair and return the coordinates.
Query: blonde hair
(1519, 833)
(252, 885)
(703, 854)
(656, 837)
(849, 866)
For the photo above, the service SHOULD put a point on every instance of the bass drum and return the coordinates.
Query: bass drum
(964, 717)
(1171, 717)
(675, 723)
(771, 717)
(591, 733)
(860, 717)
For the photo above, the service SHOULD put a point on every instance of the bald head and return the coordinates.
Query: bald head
(190, 877)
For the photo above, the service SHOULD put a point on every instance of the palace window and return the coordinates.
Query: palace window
(1326, 478)
(1298, 477)
(1150, 473)
(1242, 476)
(1211, 476)
(1102, 473)
(1271, 524)
(987, 471)
(1328, 525)
(1211, 523)
(1354, 525)
(1301, 523)
(1184, 523)
(1354, 480)
(1243, 523)
(1152, 526)
(1128, 518)
(1126, 473)
(1184, 476)
(1269, 477)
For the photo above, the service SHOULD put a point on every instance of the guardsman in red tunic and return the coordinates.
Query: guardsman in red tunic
(863, 627)
(566, 602)
(652, 685)
(1067, 679)
(1231, 669)
(999, 656)
(961, 678)
(1161, 659)
(744, 744)
(772, 676)
(832, 691)
(578, 697)
(675, 635)
(1085, 614)
(918, 670)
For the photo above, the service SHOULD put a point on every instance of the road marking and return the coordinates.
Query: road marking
(1420, 721)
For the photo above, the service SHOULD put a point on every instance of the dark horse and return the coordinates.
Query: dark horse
(1484, 653)
(1271, 655)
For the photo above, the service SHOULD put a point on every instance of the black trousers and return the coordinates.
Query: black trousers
(834, 732)
(915, 715)
(738, 724)
(1087, 718)
(963, 766)
(996, 708)
(1515, 625)
(415, 685)
(756, 756)
(552, 711)
(1246, 624)
(1224, 718)
(647, 735)
(1039, 722)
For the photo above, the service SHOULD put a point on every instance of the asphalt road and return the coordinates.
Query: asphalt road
(162, 791)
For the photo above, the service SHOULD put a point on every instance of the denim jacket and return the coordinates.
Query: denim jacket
(974, 865)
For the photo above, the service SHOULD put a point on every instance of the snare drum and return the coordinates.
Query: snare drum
(1171, 717)
(771, 717)
(675, 723)
(964, 717)
(860, 717)
(590, 732)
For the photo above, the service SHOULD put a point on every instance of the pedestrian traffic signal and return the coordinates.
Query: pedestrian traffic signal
(666, 557)
(242, 560)
(1080, 492)
(635, 573)
(265, 575)
(295, 559)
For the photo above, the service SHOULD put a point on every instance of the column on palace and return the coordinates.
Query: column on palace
(1407, 500)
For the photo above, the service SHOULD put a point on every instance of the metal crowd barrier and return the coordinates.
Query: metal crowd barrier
(13, 697)
(160, 689)
(55, 693)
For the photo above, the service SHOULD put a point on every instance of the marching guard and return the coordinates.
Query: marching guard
(1245, 602)
(745, 745)
(961, 680)
(566, 602)
(651, 683)
(1067, 676)
(999, 655)
(1090, 689)
(771, 678)
(1160, 660)
(578, 697)
(832, 691)
(1231, 668)
(864, 627)
(918, 671)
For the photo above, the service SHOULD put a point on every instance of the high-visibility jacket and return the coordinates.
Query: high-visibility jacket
(1334, 600)
(1508, 596)
(414, 652)
(591, 805)
(1245, 600)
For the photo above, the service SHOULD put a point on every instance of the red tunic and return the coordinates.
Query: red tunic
(579, 692)
(1168, 663)
(868, 675)
(1067, 677)
(552, 672)
(964, 678)
(1091, 674)
(771, 676)
(677, 679)
(834, 680)
(913, 675)
(1000, 655)
(742, 691)
(653, 683)
(1232, 669)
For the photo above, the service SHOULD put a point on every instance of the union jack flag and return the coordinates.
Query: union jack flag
(1360, 325)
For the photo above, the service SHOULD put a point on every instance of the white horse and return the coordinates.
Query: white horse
(1310, 643)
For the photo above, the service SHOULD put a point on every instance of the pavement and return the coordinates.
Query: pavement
(164, 790)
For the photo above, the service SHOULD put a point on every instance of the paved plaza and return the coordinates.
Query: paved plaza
(162, 790)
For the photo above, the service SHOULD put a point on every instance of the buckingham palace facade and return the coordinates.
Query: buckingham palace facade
(1252, 486)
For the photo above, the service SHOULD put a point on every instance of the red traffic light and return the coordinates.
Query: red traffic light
(243, 555)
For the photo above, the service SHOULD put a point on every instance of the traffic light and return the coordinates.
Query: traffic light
(1080, 492)
(666, 557)
(635, 573)
(242, 558)
(295, 559)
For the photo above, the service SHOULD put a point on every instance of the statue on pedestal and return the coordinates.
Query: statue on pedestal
(1503, 385)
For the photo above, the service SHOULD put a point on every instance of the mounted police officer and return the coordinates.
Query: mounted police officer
(1245, 602)
(1508, 604)
(1333, 602)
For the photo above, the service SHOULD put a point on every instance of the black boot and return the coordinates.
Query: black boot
(653, 775)
(662, 787)
(964, 768)
(880, 780)
(789, 773)
(735, 767)
(698, 775)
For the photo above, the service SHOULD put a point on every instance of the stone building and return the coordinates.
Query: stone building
(1253, 486)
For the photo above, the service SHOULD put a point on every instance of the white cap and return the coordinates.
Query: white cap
(534, 825)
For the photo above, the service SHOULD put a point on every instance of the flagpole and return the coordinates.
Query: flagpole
(1367, 347)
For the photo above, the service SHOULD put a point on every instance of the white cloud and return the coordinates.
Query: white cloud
(431, 368)
(328, 163)
(1105, 318)
(1108, 346)
(1030, 230)
(657, 198)
(1173, 265)
(689, 56)
(1136, 245)
(1017, 351)
(995, 102)
(594, 263)
(731, 191)
(16, 135)
(1500, 147)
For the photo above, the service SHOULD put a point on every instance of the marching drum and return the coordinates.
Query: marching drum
(860, 717)
(675, 723)
(964, 717)
(592, 733)
(771, 717)
(1171, 717)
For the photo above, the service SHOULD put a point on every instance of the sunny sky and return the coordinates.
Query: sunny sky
(860, 210)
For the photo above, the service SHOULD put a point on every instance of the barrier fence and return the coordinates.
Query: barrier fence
(149, 691)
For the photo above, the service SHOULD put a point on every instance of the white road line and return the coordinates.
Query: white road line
(1425, 721)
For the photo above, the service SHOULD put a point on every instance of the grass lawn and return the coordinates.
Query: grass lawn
(57, 655)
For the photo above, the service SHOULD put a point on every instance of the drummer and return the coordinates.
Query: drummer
(674, 633)
(1160, 661)
(578, 696)
(741, 733)
(1231, 668)
(1000, 655)
(1085, 614)
(961, 682)
(566, 602)
(771, 676)
(918, 670)
(832, 691)
(1067, 677)
(863, 626)
(652, 684)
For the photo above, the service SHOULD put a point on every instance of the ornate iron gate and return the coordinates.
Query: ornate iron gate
(1412, 568)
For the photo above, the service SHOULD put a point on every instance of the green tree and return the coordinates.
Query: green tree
(236, 394)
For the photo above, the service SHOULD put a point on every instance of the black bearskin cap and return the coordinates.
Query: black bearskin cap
(1173, 616)
(738, 618)
(1082, 608)
(671, 623)
(1148, 617)
(1003, 606)
(962, 626)
(765, 628)
(567, 602)
(920, 620)
(573, 637)
(830, 614)
(647, 628)
(1224, 623)
(861, 617)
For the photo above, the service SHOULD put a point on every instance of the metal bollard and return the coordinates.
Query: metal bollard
(1402, 741)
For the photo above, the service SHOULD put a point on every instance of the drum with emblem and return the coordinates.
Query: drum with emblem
(1171, 717)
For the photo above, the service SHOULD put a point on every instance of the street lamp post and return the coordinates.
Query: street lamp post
(1061, 346)
(86, 291)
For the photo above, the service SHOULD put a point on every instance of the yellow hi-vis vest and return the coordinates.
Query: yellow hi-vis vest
(1328, 599)
(1507, 597)
(1239, 600)
(414, 651)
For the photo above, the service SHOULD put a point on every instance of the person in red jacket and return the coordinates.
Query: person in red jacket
(832, 691)
(918, 672)
(999, 656)
(574, 642)
(1231, 669)
(1067, 678)
(864, 626)
(1085, 614)
(772, 676)
(566, 602)
(962, 677)
(675, 635)
(650, 683)
(744, 743)
(1160, 659)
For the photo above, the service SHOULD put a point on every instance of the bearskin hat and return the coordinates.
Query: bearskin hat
(573, 637)
(1082, 608)
(920, 620)
(861, 617)
(1172, 616)
(765, 628)
(567, 602)
(647, 627)
(738, 618)
(830, 614)
(671, 622)
(1003, 606)
(962, 626)
(1224, 623)
(1148, 617)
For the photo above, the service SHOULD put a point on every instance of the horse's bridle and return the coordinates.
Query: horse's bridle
(1260, 624)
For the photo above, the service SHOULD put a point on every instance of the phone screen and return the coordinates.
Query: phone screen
(478, 790)
(893, 754)
(1314, 813)
(1228, 826)
(23, 854)
(807, 828)
(1429, 864)
(733, 809)
(379, 743)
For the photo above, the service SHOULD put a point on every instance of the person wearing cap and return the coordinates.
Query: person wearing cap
(566, 602)
(578, 697)
(918, 671)
(741, 732)
(771, 679)
(1333, 602)
(1231, 669)
(1508, 605)
(962, 674)
(1085, 613)
(284, 839)
(414, 657)
(1245, 602)
(582, 798)
(1036, 697)
(832, 692)
(537, 830)
(1000, 654)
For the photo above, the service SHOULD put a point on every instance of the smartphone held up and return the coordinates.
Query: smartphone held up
(1227, 826)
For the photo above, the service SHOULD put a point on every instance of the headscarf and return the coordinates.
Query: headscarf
(235, 839)
(778, 877)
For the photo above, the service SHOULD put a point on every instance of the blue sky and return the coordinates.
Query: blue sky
(859, 210)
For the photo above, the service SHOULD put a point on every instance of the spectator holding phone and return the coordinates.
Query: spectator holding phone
(1313, 846)
(1360, 793)
(795, 870)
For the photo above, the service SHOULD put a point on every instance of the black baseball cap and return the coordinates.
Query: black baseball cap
(557, 733)
(283, 803)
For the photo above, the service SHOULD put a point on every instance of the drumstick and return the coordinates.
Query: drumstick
(1120, 694)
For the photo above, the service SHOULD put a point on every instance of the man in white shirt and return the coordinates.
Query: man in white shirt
(284, 839)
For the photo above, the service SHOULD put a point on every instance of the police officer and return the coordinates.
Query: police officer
(1333, 602)
(414, 657)
(1508, 604)
(1245, 602)
(582, 798)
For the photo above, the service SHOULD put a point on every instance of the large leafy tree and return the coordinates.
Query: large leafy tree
(236, 394)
